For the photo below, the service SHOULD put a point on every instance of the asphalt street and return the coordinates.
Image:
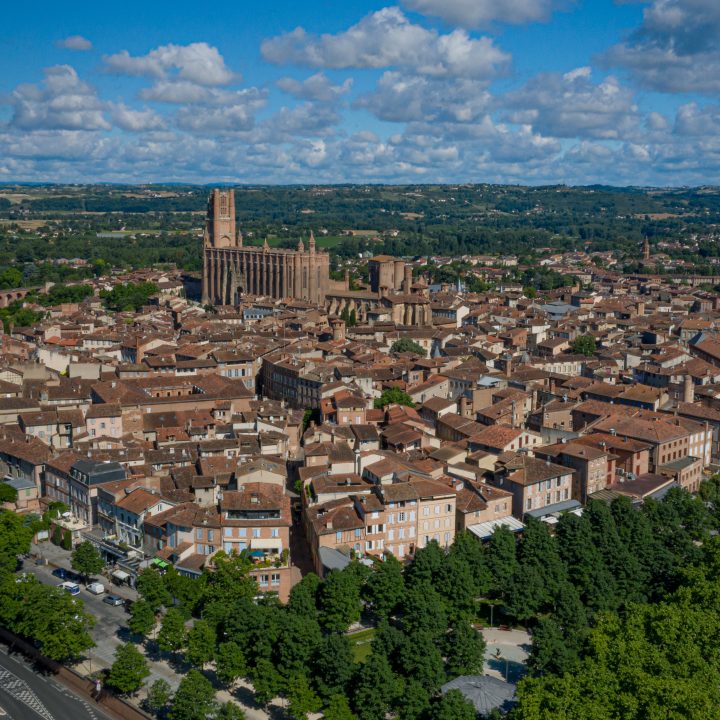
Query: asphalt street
(108, 618)
(28, 695)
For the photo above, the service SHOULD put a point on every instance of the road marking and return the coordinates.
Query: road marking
(20, 690)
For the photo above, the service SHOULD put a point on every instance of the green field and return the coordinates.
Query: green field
(362, 644)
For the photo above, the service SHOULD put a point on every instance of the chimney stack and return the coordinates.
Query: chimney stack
(688, 389)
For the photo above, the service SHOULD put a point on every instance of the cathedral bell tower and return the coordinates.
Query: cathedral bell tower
(220, 223)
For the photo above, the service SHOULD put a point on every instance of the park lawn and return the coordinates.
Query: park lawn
(361, 644)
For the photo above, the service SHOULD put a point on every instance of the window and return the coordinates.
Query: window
(198, 534)
(437, 509)
(243, 532)
(426, 511)
(256, 532)
(401, 517)
(529, 504)
(448, 508)
(357, 532)
(275, 532)
(391, 535)
(338, 536)
(264, 580)
(210, 535)
(228, 532)
(548, 498)
(275, 578)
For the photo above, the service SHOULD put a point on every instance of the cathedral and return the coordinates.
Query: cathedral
(231, 270)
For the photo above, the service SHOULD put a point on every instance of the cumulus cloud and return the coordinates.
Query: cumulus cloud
(676, 49)
(197, 63)
(386, 38)
(692, 120)
(74, 42)
(61, 102)
(572, 105)
(399, 97)
(136, 120)
(479, 13)
(316, 87)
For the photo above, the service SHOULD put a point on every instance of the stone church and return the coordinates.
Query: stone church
(231, 270)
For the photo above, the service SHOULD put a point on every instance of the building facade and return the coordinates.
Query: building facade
(231, 270)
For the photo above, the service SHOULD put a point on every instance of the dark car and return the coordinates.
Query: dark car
(60, 573)
(113, 600)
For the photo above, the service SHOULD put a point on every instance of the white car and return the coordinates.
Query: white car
(96, 588)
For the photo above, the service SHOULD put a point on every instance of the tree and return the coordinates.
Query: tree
(129, 670)
(266, 681)
(338, 709)
(421, 660)
(15, 539)
(415, 701)
(423, 610)
(385, 587)
(375, 688)
(57, 536)
(194, 699)
(87, 560)
(453, 706)
(339, 601)
(230, 711)
(502, 558)
(333, 664)
(303, 596)
(67, 540)
(200, 644)
(302, 700)
(405, 344)
(584, 345)
(230, 662)
(393, 396)
(151, 588)
(158, 696)
(172, 632)
(142, 618)
(299, 638)
(8, 494)
(49, 615)
(465, 650)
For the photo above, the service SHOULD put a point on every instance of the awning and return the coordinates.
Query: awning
(159, 562)
(266, 544)
(256, 553)
(120, 575)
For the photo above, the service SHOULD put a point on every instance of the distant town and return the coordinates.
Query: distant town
(301, 473)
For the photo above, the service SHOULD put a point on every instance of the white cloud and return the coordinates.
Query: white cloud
(198, 63)
(399, 97)
(692, 120)
(479, 13)
(573, 106)
(136, 120)
(61, 102)
(676, 49)
(75, 42)
(316, 87)
(386, 38)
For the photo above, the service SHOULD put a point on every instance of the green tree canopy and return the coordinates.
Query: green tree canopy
(142, 618)
(86, 559)
(129, 670)
(230, 663)
(405, 344)
(339, 601)
(200, 643)
(584, 345)
(194, 699)
(172, 634)
(393, 396)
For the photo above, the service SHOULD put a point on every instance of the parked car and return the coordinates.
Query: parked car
(72, 588)
(113, 600)
(96, 588)
(61, 573)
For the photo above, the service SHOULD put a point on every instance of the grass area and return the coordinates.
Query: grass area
(361, 644)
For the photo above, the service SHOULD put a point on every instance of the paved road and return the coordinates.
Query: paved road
(108, 618)
(27, 695)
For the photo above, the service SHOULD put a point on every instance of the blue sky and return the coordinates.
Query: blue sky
(530, 91)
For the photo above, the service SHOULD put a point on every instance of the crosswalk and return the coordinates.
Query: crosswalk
(20, 690)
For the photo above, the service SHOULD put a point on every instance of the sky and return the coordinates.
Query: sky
(617, 92)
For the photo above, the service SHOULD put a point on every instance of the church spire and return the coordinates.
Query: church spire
(239, 238)
(301, 245)
(266, 247)
(311, 243)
